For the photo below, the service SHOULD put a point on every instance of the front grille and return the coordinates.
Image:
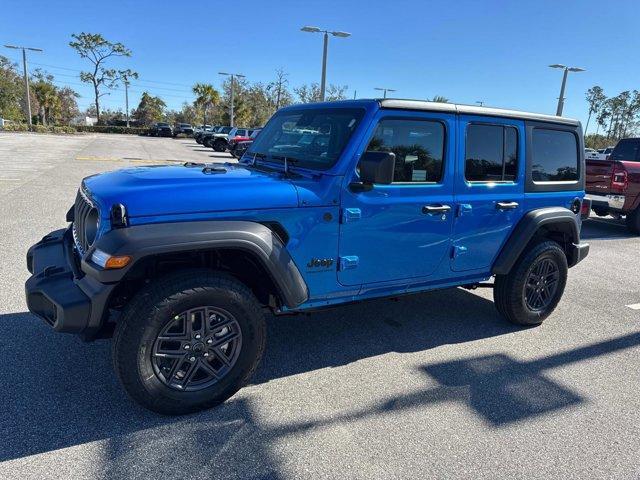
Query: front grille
(83, 211)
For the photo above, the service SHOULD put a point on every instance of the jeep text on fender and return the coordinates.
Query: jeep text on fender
(332, 203)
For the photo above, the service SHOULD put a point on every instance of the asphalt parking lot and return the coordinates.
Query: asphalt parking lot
(434, 385)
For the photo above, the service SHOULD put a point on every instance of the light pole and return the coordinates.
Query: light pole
(385, 90)
(564, 83)
(323, 81)
(233, 76)
(26, 76)
(126, 97)
(480, 102)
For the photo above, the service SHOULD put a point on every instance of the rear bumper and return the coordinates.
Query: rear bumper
(58, 292)
(577, 253)
(610, 202)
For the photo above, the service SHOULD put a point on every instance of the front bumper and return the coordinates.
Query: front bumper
(610, 202)
(58, 292)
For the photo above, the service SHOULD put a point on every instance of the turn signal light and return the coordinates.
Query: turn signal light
(110, 262)
(117, 262)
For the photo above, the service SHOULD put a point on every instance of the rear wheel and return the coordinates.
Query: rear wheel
(633, 221)
(188, 342)
(530, 292)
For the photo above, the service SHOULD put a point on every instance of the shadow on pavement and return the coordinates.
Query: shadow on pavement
(605, 229)
(63, 392)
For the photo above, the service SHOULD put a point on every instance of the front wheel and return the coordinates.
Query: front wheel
(219, 145)
(188, 341)
(530, 292)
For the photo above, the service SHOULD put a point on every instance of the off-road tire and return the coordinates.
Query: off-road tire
(509, 291)
(219, 145)
(633, 221)
(150, 311)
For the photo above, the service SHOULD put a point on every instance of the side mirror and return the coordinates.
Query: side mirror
(377, 167)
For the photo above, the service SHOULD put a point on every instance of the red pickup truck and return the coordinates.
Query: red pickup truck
(613, 185)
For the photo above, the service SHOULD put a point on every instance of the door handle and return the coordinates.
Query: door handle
(436, 209)
(506, 205)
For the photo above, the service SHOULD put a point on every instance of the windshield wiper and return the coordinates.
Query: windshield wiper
(286, 161)
(261, 167)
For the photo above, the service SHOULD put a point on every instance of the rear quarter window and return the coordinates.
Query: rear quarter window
(554, 156)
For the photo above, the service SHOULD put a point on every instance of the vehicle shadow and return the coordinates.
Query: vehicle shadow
(605, 229)
(64, 393)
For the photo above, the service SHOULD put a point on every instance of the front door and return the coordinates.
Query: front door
(489, 189)
(401, 231)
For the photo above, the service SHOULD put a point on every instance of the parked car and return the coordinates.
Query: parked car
(240, 148)
(590, 153)
(160, 129)
(603, 153)
(182, 129)
(235, 140)
(217, 139)
(613, 185)
(202, 130)
(341, 202)
(220, 143)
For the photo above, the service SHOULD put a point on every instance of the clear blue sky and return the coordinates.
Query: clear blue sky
(495, 51)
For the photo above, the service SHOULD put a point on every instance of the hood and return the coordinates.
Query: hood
(180, 189)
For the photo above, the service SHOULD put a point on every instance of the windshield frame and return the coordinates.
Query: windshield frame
(359, 111)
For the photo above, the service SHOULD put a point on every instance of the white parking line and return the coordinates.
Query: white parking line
(634, 306)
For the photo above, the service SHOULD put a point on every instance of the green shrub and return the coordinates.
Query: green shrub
(16, 127)
(111, 129)
(41, 129)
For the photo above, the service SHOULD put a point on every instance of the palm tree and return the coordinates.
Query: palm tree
(206, 96)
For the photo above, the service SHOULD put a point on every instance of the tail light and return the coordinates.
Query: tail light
(619, 178)
(585, 208)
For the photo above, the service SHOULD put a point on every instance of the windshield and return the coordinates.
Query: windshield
(312, 138)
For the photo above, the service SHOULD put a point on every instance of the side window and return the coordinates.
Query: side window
(491, 153)
(417, 144)
(554, 156)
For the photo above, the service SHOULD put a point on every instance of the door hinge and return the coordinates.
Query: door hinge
(458, 250)
(351, 215)
(348, 262)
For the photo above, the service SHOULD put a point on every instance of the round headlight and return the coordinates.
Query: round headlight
(91, 226)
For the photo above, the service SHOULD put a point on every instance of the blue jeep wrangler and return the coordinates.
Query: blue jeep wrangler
(333, 203)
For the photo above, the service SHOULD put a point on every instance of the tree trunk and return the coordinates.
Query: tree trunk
(95, 89)
(588, 120)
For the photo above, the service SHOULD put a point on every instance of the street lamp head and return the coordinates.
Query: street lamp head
(223, 73)
(310, 29)
(24, 48)
(341, 34)
(558, 65)
(576, 69)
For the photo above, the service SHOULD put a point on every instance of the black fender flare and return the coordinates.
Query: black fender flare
(141, 241)
(556, 217)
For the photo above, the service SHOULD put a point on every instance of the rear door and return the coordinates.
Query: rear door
(489, 189)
